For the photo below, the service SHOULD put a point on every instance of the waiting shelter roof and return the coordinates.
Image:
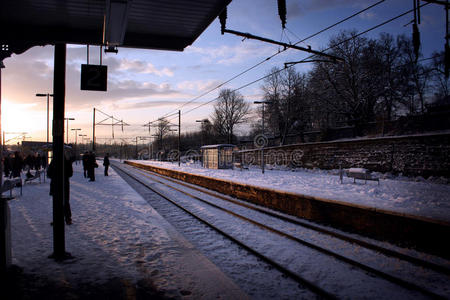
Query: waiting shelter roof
(149, 24)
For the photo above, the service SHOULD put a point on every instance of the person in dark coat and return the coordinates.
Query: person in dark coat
(44, 160)
(29, 161)
(17, 164)
(38, 162)
(7, 164)
(106, 163)
(91, 165)
(85, 163)
(68, 172)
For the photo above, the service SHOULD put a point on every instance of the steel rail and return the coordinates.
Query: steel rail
(383, 250)
(314, 288)
(386, 276)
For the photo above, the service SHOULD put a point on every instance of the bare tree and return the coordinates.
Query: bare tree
(162, 130)
(439, 82)
(229, 111)
(417, 75)
(286, 94)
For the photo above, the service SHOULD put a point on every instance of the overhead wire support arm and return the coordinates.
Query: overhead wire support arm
(114, 122)
(287, 64)
(254, 37)
(438, 2)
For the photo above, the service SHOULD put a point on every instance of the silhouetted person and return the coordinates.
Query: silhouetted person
(17, 165)
(44, 160)
(7, 164)
(29, 161)
(37, 162)
(91, 165)
(106, 163)
(68, 172)
(85, 163)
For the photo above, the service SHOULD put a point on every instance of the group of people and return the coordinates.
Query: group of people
(14, 164)
(90, 163)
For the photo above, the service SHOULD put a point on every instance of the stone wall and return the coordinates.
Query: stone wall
(415, 155)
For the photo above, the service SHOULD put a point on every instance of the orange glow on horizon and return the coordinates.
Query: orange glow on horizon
(18, 117)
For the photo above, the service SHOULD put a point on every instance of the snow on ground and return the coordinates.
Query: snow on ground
(422, 198)
(116, 236)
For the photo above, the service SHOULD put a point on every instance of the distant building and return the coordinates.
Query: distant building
(35, 146)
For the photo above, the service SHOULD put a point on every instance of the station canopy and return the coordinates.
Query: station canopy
(147, 24)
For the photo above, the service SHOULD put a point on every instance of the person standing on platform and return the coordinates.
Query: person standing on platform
(68, 172)
(106, 163)
(37, 162)
(85, 163)
(17, 165)
(91, 165)
(7, 165)
(44, 160)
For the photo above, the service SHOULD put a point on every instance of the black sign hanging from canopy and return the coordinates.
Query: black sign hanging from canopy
(94, 77)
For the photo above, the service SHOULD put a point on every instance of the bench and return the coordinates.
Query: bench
(35, 176)
(10, 184)
(360, 173)
(240, 166)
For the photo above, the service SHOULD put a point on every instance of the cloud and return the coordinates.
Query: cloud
(23, 78)
(143, 67)
(198, 85)
(367, 15)
(229, 55)
(146, 104)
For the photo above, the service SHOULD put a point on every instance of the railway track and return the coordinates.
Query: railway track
(204, 197)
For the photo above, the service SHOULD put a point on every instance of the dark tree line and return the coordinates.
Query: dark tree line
(378, 79)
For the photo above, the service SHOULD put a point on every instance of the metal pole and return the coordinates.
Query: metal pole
(48, 120)
(136, 148)
(150, 154)
(59, 86)
(262, 149)
(93, 133)
(5, 245)
(67, 130)
(179, 137)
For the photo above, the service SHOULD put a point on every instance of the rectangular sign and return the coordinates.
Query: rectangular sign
(94, 77)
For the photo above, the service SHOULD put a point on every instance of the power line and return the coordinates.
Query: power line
(275, 54)
(353, 37)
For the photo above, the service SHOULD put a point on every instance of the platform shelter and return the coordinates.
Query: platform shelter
(218, 156)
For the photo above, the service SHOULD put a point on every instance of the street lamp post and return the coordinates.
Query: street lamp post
(262, 148)
(48, 95)
(76, 133)
(82, 137)
(67, 120)
(76, 146)
(201, 136)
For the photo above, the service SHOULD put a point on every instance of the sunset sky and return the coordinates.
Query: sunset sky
(144, 85)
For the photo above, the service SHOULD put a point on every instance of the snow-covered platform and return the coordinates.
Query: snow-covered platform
(122, 247)
(402, 211)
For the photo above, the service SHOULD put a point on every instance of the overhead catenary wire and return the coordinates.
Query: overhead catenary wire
(275, 54)
(311, 56)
